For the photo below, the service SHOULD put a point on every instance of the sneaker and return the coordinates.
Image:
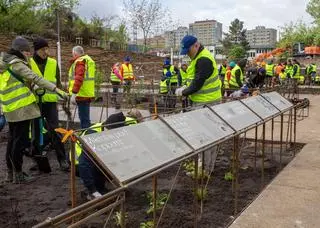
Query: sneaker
(22, 177)
(64, 166)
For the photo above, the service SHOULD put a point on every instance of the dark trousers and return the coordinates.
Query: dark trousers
(115, 89)
(91, 176)
(50, 113)
(127, 86)
(84, 113)
(172, 96)
(17, 142)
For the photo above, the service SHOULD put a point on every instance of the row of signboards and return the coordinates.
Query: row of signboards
(130, 152)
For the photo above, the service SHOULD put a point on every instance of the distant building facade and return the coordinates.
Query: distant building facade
(261, 40)
(208, 32)
(173, 38)
(156, 43)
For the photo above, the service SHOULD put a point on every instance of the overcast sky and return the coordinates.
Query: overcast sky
(270, 13)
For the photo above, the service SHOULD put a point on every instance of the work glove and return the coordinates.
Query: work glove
(63, 95)
(35, 87)
(73, 99)
(168, 74)
(179, 90)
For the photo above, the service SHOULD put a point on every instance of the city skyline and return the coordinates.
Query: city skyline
(268, 13)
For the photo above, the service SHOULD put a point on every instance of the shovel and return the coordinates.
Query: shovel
(41, 158)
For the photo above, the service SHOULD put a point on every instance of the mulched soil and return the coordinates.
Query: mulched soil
(28, 204)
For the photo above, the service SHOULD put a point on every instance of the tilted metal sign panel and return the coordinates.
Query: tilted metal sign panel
(200, 127)
(236, 114)
(260, 106)
(131, 151)
(277, 100)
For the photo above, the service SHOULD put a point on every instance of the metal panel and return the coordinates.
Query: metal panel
(131, 151)
(260, 106)
(236, 114)
(200, 127)
(277, 100)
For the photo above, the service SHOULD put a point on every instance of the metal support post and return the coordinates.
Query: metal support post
(73, 177)
(236, 150)
(195, 201)
(263, 153)
(281, 141)
(255, 148)
(154, 197)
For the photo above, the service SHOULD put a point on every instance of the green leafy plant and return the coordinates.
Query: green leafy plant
(228, 176)
(118, 217)
(189, 167)
(147, 224)
(201, 193)
(160, 201)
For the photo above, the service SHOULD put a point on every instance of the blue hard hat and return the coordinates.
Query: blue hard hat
(166, 62)
(127, 59)
(245, 89)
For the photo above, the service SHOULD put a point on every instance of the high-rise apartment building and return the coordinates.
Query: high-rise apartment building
(261, 40)
(208, 32)
(262, 37)
(174, 37)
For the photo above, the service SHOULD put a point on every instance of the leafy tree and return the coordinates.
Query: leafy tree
(145, 14)
(20, 17)
(298, 32)
(237, 52)
(313, 8)
(236, 36)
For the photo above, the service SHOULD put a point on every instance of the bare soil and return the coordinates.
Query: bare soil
(28, 204)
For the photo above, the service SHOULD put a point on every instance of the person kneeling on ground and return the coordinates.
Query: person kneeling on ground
(92, 178)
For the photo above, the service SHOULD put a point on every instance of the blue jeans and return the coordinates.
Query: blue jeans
(84, 113)
(91, 176)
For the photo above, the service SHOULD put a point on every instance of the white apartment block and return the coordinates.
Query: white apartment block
(261, 40)
(208, 32)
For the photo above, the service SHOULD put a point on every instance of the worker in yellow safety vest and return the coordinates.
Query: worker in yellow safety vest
(116, 80)
(297, 72)
(203, 84)
(47, 67)
(227, 78)
(19, 104)
(222, 70)
(270, 73)
(126, 70)
(82, 83)
(237, 75)
(91, 176)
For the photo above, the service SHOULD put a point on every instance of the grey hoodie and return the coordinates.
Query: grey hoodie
(21, 68)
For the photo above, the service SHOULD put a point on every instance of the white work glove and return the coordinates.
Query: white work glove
(73, 99)
(35, 87)
(179, 90)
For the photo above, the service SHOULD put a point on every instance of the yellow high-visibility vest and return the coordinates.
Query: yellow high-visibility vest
(13, 93)
(233, 81)
(49, 74)
(174, 77)
(127, 71)
(87, 88)
(211, 89)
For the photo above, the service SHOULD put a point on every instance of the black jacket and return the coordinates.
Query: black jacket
(203, 71)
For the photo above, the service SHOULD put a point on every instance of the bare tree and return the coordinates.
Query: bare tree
(146, 15)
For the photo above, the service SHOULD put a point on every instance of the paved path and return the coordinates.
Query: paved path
(292, 199)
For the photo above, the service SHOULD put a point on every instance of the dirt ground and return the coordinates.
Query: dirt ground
(28, 204)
